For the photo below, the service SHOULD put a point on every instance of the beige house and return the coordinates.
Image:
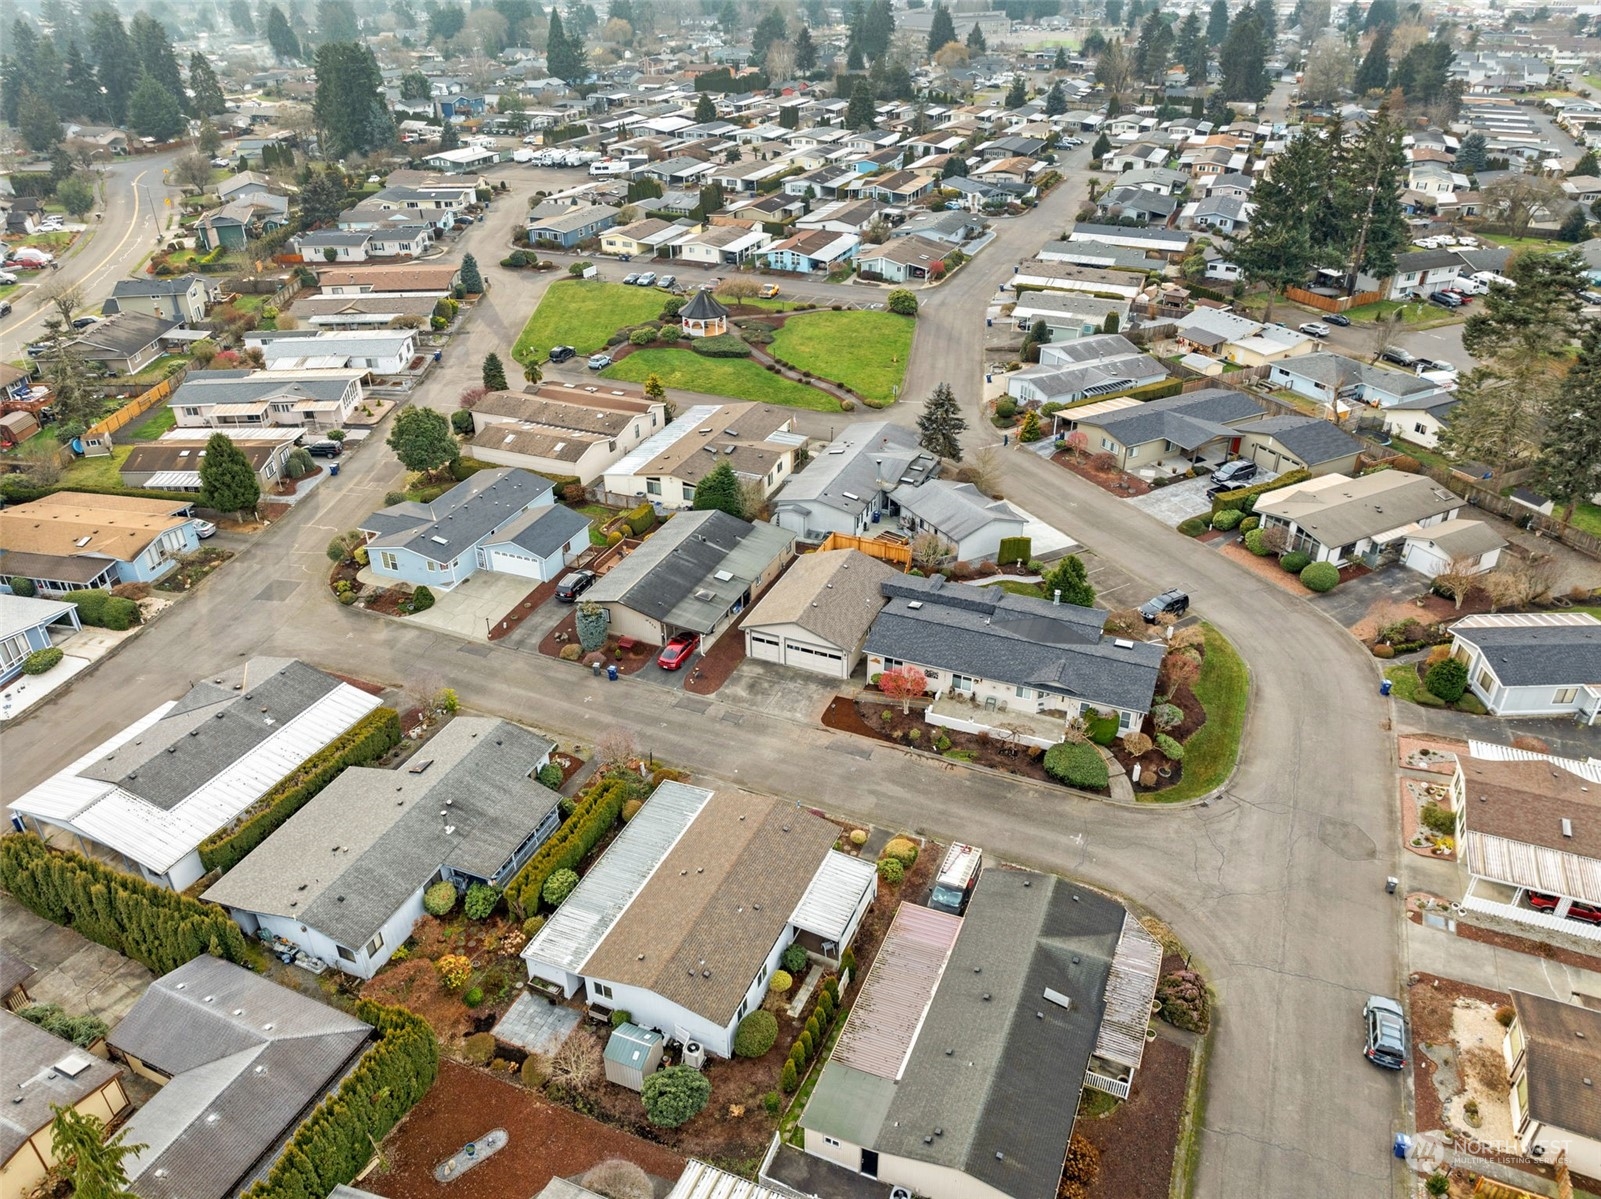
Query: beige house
(562, 429)
(1169, 435)
(1551, 1063)
(757, 440)
(37, 1070)
(818, 615)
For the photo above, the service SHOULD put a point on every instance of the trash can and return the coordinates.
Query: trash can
(1390, 884)
(438, 354)
(596, 665)
(1403, 1145)
(1384, 687)
(611, 672)
(333, 468)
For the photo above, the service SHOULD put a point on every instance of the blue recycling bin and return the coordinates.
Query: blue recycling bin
(438, 354)
(1403, 1145)
(333, 468)
(1384, 687)
(611, 672)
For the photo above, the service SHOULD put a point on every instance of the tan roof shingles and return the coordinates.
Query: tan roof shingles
(1561, 1065)
(119, 527)
(1527, 801)
(718, 903)
(834, 596)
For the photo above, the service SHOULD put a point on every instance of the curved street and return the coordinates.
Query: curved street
(1276, 885)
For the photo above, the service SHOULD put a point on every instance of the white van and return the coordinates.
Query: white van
(958, 874)
(607, 167)
(523, 155)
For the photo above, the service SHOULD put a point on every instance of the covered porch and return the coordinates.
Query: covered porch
(998, 718)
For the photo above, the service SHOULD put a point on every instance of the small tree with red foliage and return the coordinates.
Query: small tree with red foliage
(904, 683)
(1078, 441)
(470, 396)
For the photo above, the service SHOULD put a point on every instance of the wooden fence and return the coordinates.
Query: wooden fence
(885, 551)
(97, 438)
(1492, 500)
(1331, 303)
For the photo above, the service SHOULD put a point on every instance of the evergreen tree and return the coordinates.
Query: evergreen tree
(940, 424)
(1243, 60)
(1189, 49)
(322, 198)
(1055, 101)
(771, 28)
(1278, 247)
(494, 373)
(854, 61)
(87, 1158)
(1374, 72)
(1070, 578)
(1369, 174)
(1473, 155)
(1574, 225)
(1154, 49)
(349, 106)
(156, 57)
(1017, 94)
(336, 21)
(82, 89)
(1587, 164)
(942, 30)
(1423, 74)
(280, 37)
(153, 111)
(209, 139)
(1382, 14)
(877, 28)
(415, 88)
(208, 97)
(239, 17)
(47, 76)
(1093, 44)
(565, 55)
(472, 280)
(1101, 148)
(1267, 16)
(1568, 465)
(860, 113)
(116, 65)
(228, 482)
(37, 122)
(705, 109)
(975, 41)
(1059, 63)
(805, 51)
(449, 136)
(718, 490)
(422, 440)
(1217, 23)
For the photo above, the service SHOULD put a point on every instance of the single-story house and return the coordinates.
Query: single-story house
(174, 465)
(695, 574)
(241, 1062)
(28, 624)
(247, 400)
(178, 297)
(1080, 368)
(1167, 242)
(817, 615)
(812, 250)
(1010, 658)
(948, 1076)
(145, 798)
(684, 918)
(952, 228)
(40, 1072)
(1208, 330)
(124, 344)
(1068, 314)
(239, 222)
(724, 245)
(1272, 343)
(847, 487)
(1421, 419)
(1285, 443)
(904, 259)
(1453, 546)
(1550, 1057)
(1172, 432)
(1098, 254)
(1137, 204)
(569, 224)
(124, 538)
(360, 312)
(1533, 663)
(641, 239)
(1067, 276)
(392, 279)
(464, 159)
(1338, 519)
(970, 523)
(757, 441)
(560, 429)
(504, 520)
(1529, 825)
(381, 351)
(354, 908)
(1340, 383)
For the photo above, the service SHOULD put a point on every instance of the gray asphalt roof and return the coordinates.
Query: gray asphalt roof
(27, 1074)
(1336, 370)
(461, 518)
(1014, 639)
(348, 860)
(1188, 420)
(544, 530)
(176, 285)
(13, 972)
(1310, 439)
(851, 465)
(1424, 260)
(703, 306)
(210, 729)
(1540, 655)
(245, 386)
(956, 510)
(1156, 237)
(248, 1057)
(833, 595)
(1098, 378)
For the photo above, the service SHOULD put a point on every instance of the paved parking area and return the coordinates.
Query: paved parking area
(1177, 502)
(1047, 541)
(782, 690)
(1351, 601)
(1115, 587)
(473, 607)
(76, 973)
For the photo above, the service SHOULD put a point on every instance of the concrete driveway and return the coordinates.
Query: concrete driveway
(1046, 541)
(74, 972)
(473, 607)
(1175, 503)
(782, 690)
(1351, 601)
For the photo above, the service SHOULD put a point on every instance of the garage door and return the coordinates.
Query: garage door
(526, 566)
(764, 648)
(820, 661)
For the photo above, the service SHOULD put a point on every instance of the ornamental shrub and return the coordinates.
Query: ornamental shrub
(550, 776)
(891, 871)
(756, 1034)
(1102, 728)
(795, 959)
(1193, 527)
(1383, 651)
(858, 837)
(772, 1102)
(781, 982)
(631, 809)
(101, 609)
(620, 1017)
(902, 849)
(558, 887)
(1182, 995)
(1249, 523)
(1228, 518)
(789, 1078)
(532, 925)
(1170, 749)
(1437, 819)
(479, 1047)
(805, 1045)
(1448, 680)
(461, 421)
(1295, 561)
(23, 587)
(454, 970)
(1256, 542)
(1076, 764)
(675, 1096)
(825, 1005)
(421, 600)
(1320, 576)
(1167, 716)
(473, 996)
(42, 660)
(643, 335)
(535, 1070)
(439, 899)
(481, 901)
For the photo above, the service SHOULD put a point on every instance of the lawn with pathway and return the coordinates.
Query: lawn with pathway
(737, 378)
(583, 313)
(864, 351)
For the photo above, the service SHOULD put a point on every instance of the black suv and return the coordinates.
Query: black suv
(561, 353)
(1398, 356)
(1171, 603)
(1232, 475)
(325, 449)
(574, 585)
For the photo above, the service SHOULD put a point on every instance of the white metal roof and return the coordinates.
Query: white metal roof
(18, 613)
(832, 895)
(1490, 752)
(1536, 867)
(64, 794)
(600, 899)
(657, 443)
(170, 480)
(700, 1181)
(253, 408)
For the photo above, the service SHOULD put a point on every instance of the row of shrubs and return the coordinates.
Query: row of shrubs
(1244, 498)
(369, 739)
(810, 1040)
(593, 814)
(102, 610)
(17, 488)
(158, 928)
(1077, 764)
(339, 1138)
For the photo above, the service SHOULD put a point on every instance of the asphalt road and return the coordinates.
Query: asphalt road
(134, 208)
(1276, 885)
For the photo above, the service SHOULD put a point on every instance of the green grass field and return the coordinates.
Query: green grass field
(162, 420)
(1209, 755)
(865, 351)
(101, 471)
(1587, 517)
(737, 378)
(583, 314)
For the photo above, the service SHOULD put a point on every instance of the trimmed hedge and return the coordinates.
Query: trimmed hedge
(42, 660)
(1244, 498)
(1154, 391)
(756, 1034)
(594, 813)
(369, 739)
(102, 610)
(336, 1141)
(17, 489)
(1227, 519)
(724, 345)
(1320, 576)
(641, 520)
(1295, 561)
(1015, 549)
(1076, 764)
(158, 928)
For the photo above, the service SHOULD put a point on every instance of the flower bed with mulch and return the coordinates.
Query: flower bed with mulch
(867, 719)
(1119, 483)
(1137, 1141)
(627, 661)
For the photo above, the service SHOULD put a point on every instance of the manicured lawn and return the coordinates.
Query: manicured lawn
(1587, 518)
(1223, 687)
(1020, 588)
(158, 369)
(41, 445)
(102, 471)
(737, 378)
(1525, 243)
(1426, 456)
(865, 351)
(153, 426)
(583, 314)
(1414, 315)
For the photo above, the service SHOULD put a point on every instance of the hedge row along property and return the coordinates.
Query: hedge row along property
(157, 928)
(369, 739)
(595, 811)
(342, 1133)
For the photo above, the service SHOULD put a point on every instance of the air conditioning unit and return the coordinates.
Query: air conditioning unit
(695, 1056)
(899, 1193)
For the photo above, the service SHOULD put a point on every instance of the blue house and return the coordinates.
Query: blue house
(505, 520)
(71, 540)
(26, 625)
(813, 250)
(459, 108)
(569, 224)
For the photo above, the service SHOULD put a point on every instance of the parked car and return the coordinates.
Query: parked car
(678, 650)
(204, 529)
(325, 449)
(599, 362)
(1386, 1032)
(1231, 475)
(1445, 299)
(574, 585)
(1398, 356)
(221, 162)
(647, 279)
(1338, 318)
(630, 280)
(1315, 329)
(768, 292)
(1170, 603)
(83, 322)
(1590, 297)
(561, 353)
(667, 282)
(5, 307)
(1585, 912)
(7, 278)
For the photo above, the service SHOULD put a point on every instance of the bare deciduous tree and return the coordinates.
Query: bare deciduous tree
(616, 747)
(739, 287)
(930, 551)
(576, 1063)
(1457, 579)
(983, 470)
(1179, 668)
(1519, 583)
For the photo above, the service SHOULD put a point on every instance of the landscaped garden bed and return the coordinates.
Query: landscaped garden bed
(1135, 1140)
(867, 718)
(193, 567)
(1102, 470)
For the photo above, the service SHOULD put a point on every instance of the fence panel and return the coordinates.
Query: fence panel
(1331, 303)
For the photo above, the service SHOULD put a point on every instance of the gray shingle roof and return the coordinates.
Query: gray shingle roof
(461, 518)
(703, 306)
(348, 860)
(1188, 420)
(544, 530)
(1014, 639)
(176, 285)
(1540, 655)
(834, 596)
(26, 1074)
(246, 386)
(1308, 438)
(850, 464)
(1424, 260)
(956, 510)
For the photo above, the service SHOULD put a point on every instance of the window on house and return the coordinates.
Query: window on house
(1025, 693)
(388, 560)
(602, 990)
(1486, 680)
(374, 945)
(961, 682)
(831, 1141)
(653, 486)
(1565, 695)
(348, 955)
(1419, 428)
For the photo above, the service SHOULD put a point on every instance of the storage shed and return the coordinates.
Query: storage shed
(633, 1054)
(17, 427)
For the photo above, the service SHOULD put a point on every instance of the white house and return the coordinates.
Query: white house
(684, 918)
(382, 351)
(1551, 1067)
(247, 399)
(1338, 519)
(1465, 546)
(817, 616)
(1533, 663)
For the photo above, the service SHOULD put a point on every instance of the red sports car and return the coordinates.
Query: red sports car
(677, 651)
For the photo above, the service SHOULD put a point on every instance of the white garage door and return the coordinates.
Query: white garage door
(764, 648)
(524, 565)
(821, 661)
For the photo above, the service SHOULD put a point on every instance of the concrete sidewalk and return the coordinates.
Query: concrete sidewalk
(1443, 953)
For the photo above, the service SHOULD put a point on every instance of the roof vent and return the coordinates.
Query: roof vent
(999, 1156)
(1056, 997)
(986, 996)
(1122, 644)
(1567, 827)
